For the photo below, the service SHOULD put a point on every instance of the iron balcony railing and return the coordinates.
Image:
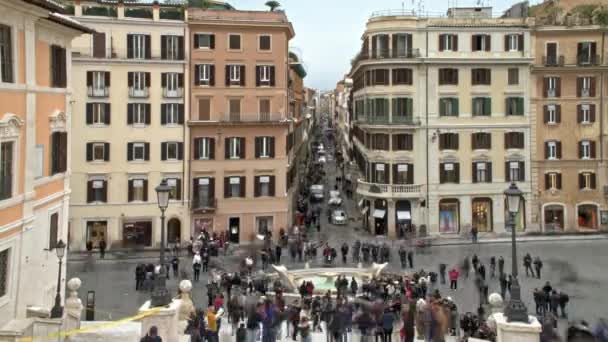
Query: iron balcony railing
(587, 60)
(389, 53)
(252, 117)
(553, 60)
(173, 93)
(385, 120)
(204, 204)
(140, 93)
(98, 92)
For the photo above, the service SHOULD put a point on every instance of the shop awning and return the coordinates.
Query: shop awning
(379, 213)
(403, 215)
(364, 211)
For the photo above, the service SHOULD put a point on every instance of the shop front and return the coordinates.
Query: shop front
(482, 214)
(554, 217)
(403, 212)
(97, 231)
(587, 216)
(380, 224)
(137, 233)
(449, 216)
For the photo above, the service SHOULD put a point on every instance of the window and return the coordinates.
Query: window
(480, 42)
(380, 173)
(235, 148)
(6, 58)
(204, 148)
(380, 142)
(172, 47)
(403, 142)
(586, 181)
(553, 181)
(552, 114)
(98, 83)
(172, 114)
(139, 46)
(235, 75)
(171, 151)
(481, 141)
(380, 46)
(99, 45)
(98, 113)
(482, 106)
(448, 106)
(514, 140)
(448, 141)
(448, 76)
(264, 186)
(234, 187)
(138, 190)
(234, 41)
(204, 109)
(204, 74)
(403, 108)
(514, 42)
(402, 45)
(59, 152)
(98, 151)
(138, 114)
(264, 109)
(6, 169)
(53, 230)
(553, 150)
(402, 76)
(551, 58)
(138, 151)
(481, 76)
(403, 174)
(587, 53)
(203, 192)
(265, 43)
(58, 67)
(138, 83)
(515, 171)
(97, 191)
(264, 147)
(585, 113)
(586, 149)
(176, 188)
(172, 84)
(264, 75)
(513, 76)
(378, 77)
(514, 106)
(552, 86)
(448, 42)
(482, 172)
(449, 173)
(204, 41)
(4, 272)
(585, 86)
(234, 107)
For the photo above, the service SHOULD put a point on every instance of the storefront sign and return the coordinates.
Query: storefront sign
(235, 180)
(203, 181)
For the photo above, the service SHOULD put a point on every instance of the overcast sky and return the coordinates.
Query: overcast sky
(328, 32)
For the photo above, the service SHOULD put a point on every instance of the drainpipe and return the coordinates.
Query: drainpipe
(426, 131)
(187, 100)
(601, 111)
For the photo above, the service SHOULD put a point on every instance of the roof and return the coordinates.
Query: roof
(172, 3)
(299, 69)
(47, 4)
(69, 22)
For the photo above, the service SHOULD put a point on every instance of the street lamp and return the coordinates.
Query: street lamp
(516, 309)
(57, 310)
(160, 295)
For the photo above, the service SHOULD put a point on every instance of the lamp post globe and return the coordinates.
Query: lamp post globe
(515, 310)
(57, 310)
(160, 295)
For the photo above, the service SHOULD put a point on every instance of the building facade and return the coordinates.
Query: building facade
(441, 121)
(130, 115)
(569, 113)
(239, 122)
(35, 114)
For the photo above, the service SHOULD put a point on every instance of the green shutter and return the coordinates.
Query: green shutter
(487, 105)
(442, 107)
(409, 107)
(455, 107)
(520, 106)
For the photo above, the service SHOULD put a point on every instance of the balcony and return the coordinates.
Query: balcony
(386, 120)
(585, 92)
(553, 61)
(252, 117)
(139, 93)
(98, 92)
(587, 60)
(204, 205)
(551, 92)
(389, 190)
(389, 53)
(173, 93)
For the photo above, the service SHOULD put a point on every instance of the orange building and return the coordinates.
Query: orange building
(35, 88)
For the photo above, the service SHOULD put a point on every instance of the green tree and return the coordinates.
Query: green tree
(600, 16)
(198, 3)
(273, 5)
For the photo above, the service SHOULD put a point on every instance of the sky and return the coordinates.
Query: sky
(328, 32)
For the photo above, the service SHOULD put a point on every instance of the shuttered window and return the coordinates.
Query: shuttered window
(514, 140)
(59, 152)
(97, 191)
(449, 173)
(171, 47)
(6, 54)
(448, 141)
(58, 67)
(403, 142)
(448, 76)
(138, 190)
(402, 76)
(481, 141)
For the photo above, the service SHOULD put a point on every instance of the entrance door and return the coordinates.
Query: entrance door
(234, 224)
(551, 53)
(174, 230)
(554, 218)
(96, 231)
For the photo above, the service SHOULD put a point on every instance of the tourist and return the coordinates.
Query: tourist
(563, 301)
(442, 268)
(453, 274)
(175, 265)
(152, 335)
(344, 250)
(492, 267)
(102, 248)
(538, 265)
(528, 265)
(501, 265)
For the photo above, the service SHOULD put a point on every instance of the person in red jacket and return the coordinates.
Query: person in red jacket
(453, 274)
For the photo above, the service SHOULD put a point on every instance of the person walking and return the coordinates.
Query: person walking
(502, 279)
(140, 274)
(175, 265)
(537, 294)
(563, 301)
(410, 259)
(442, 268)
(528, 265)
(344, 250)
(388, 321)
(102, 248)
(554, 302)
(453, 274)
(474, 234)
(492, 267)
(152, 335)
(482, 271)
(538, 265)
(501, 265)
(403, 256)
(475, 262)
(278, 251)
(196, 266)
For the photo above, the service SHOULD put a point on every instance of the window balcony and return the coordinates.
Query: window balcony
(553, 61)
(98, 92)
(203, 205)
(386, 120)
(251, 117)
(587, 60)
(389, 53)
(389, 190)
(139, 93)
(173, 93)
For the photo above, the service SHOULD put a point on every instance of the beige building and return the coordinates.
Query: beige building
(569, 96)
(130, 114)
(239, 122)
(441, 121)
(35, 113)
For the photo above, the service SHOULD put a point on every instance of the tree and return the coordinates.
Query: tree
(273, 5)
(198, 3)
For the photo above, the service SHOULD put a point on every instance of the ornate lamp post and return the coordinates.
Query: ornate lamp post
(160, 295)
(57, 310)
(515, 310)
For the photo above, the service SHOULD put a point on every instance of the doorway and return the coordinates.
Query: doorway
(554, 217)
(174, 230)
(234, 225)
(96, 231)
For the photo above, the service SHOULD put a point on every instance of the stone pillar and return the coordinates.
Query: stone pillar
(73, 306)
(372, 220)
(166, 320)
(390, 220)
(155, 11)
(516, 331)
(120, 10)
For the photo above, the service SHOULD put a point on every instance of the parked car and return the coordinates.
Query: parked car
(334, 198)
(338, 217)
(317, 192)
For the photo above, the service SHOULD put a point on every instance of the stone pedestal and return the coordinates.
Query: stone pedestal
(73, 306)
(516, 331)
(166, 320)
